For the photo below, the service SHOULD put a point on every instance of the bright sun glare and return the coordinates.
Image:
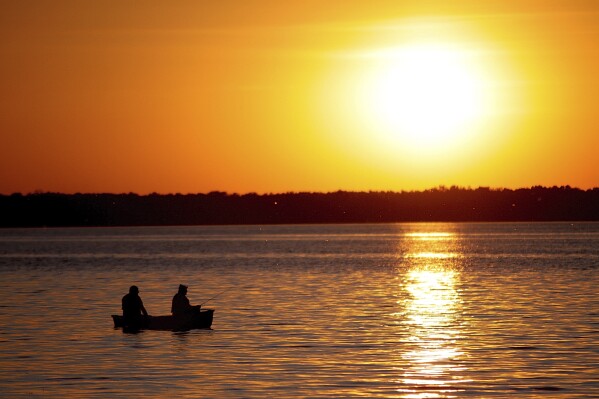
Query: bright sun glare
(423, 95)
(420, 95)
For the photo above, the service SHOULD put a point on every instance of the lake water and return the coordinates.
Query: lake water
(324, 311)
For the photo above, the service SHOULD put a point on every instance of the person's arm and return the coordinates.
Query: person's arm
(175, 305)
(143, 310)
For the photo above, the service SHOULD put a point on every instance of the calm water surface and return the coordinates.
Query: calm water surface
(333, 311)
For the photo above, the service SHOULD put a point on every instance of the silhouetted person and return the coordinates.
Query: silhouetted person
(133, 309)
(181, 307)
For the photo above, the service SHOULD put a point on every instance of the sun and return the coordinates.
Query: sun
(422, 96)
(424, 100)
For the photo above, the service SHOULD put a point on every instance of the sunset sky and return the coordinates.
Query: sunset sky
(278, 96)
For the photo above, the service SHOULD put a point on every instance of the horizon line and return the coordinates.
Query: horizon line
(220, 192)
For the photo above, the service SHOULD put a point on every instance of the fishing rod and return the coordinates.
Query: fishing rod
(220, 293)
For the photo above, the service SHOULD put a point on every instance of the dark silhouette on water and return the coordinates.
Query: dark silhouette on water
(185, 316)
(134, 312)
(181, 308)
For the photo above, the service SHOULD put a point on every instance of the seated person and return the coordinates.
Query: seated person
(134, 312)
(181, 306)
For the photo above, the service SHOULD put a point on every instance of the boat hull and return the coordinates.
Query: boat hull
(201, 319)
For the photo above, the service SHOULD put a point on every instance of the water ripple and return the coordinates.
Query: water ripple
(376, 311)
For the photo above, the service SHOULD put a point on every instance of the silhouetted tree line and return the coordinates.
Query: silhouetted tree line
(438, 204)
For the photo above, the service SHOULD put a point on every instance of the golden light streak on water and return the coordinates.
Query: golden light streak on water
(431, 316)
(434, 235)
(432, 255)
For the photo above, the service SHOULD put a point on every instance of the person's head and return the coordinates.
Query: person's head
(134, 290)
(182, 289)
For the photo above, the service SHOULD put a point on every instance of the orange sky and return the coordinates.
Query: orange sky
(263, 96)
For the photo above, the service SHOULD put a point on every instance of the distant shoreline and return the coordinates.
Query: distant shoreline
(453, 204)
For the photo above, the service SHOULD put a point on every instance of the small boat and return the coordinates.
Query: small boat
(202, 319)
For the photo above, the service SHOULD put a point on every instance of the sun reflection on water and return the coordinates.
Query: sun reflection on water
(431, 317)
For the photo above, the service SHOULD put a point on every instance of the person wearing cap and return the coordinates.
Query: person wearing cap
(181, 306)
(133, 308)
